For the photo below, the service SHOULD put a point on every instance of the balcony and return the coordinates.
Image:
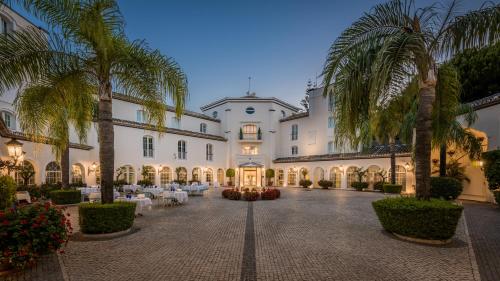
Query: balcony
(250, 137)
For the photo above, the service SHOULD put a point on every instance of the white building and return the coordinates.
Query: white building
(249, 134)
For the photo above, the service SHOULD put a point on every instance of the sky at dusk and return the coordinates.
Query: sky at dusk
(281, 44)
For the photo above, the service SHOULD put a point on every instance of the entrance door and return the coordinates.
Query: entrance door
(250, 177)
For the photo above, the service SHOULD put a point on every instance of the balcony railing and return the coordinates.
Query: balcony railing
(250, 136)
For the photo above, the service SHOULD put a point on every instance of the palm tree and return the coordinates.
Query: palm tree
(409, 42)
(49, 106)
(93, 38)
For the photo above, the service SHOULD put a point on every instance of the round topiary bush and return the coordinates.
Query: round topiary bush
(106, 218)
(305, 183)
(65, 196)
(424, 219)
(392, 188)
(445, 188)
(325, 184)
(359, 186)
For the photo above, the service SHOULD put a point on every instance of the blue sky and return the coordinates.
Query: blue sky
(281, 44)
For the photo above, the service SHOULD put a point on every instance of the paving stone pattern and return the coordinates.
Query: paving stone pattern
(483, 222)
(305, 235)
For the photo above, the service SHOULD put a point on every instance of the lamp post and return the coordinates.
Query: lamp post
(15, 149)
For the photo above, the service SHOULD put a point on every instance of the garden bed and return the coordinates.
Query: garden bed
(251, 194)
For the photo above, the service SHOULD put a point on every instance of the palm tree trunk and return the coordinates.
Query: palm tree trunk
(427, 95)
(442, 160)
(65, 167)
(106, 141)
(392, 150)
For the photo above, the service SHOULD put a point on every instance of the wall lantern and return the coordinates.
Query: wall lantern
(15, 149)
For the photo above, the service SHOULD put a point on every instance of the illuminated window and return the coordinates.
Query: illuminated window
(53, 173)
(250, 150)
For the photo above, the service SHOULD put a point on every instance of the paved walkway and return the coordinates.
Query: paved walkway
(483, 222)
(305, 235)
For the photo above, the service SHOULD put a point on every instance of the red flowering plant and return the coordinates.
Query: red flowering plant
(30, 231)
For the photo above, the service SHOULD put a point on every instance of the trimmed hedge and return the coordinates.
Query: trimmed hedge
(492, 168)
(392, 188)
(251, 195)
(325, 184)
(305, 183)
(359, 186)
(445, 188)
(379, 186)
(425, 219)
(106, 218)
(65, 196)
(234, 195)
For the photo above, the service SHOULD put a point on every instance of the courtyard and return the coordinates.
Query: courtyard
(305, 235)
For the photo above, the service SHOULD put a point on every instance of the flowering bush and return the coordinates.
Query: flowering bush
(251, 195)
(234, 195)
(30, 231)
(269, 194)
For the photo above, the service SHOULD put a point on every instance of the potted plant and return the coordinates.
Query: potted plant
(230, 173)
(360, 173)
(269, 176)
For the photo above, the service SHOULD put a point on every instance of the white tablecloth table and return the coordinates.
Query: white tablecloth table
(23, 195)
(181, 196)
(88, 190)
(140, 203)
(154, 190)
(132, 187)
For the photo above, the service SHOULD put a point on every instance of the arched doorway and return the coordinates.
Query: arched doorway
(26, 174)
(196, 175)
(336, 177)
(220, 176)
(165, 176)
(209, 176)
(77, 174)
(292, 177)
(373, 175)
(125, 173)
(351, 176)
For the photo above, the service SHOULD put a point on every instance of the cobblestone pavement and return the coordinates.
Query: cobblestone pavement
(483, 222)
(305, 235)
(46, 269)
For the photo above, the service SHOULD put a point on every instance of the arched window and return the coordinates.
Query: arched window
(196, 174)
(372, 173)
(214, 114)
(26, 174)
(351, 176)
(126, 173)
(249, 129)
(165, 176)
(295, 150)
(210, 154)
(292, 177)
(304, 174)
(209, 176)
(336, 177)
(400, 176)
(203, 128)
(77, 173)
(98, 175)
(280, 175)
(181, 149)
(181, 174)
(220, 176)
(147, 146)
(283, 114)
(9, 119)
(295, 132)
(149, 173)
(53, 173)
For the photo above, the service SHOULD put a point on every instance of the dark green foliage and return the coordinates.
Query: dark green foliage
(496, 193)
(230, 173)
(392, 188)
(445, 188)
(119, 183)
(479, 72)
(325, 184)
(492, 168)
(359, 186)
(34, 190)
(77, 184)
(106, 218)
(145, 182)
(233, 195)
(251, 195)
(65, 196)
(7, 191)
(305, 183)
(379, 185)
(46, 188)
(426, 219)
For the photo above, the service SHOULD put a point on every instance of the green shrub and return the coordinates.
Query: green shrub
(225, 192)
(46, 188)
(426, 219)
(496, 193)
(234, 195)
(65, 196)
(492, 168)
(305, 183)
(7, 192)
(106, 218)
(392, 188)
(359, 186)
(379, 185)
(251, 195)
(445, 188)
(325, 184)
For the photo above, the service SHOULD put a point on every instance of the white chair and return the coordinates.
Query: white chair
(167, 198)
(94, 197)
(23, 195)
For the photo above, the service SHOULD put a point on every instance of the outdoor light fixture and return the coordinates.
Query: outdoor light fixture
(15, 149)
(92, 168)
(408, 166)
